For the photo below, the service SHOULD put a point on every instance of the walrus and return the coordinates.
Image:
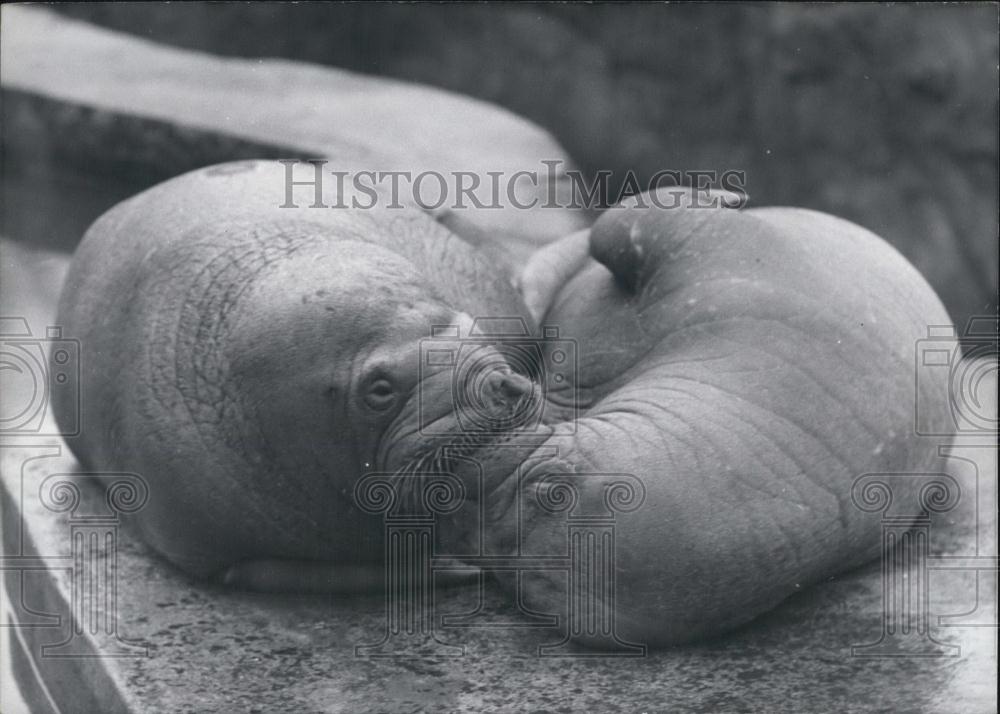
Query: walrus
(253, 363)
(247, 360)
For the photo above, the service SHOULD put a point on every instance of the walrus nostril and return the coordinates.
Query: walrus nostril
(510, 387)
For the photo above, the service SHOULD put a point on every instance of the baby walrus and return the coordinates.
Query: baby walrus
(251, 363)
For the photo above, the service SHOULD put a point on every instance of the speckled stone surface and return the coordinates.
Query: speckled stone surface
(211, 650)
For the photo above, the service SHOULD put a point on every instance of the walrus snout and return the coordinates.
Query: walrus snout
(495, 398)
(507, 388)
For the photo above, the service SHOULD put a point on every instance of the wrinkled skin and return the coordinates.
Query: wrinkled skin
(246, 360)
(747, 366)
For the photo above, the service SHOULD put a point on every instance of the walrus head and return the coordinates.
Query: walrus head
(337, 379)
(257, 361)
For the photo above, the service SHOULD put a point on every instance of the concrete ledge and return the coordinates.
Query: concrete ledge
(212, 650)
(119, 102)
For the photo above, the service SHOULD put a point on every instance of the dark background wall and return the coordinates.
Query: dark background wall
(886, 115)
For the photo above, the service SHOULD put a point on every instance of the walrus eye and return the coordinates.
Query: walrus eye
(380, 394)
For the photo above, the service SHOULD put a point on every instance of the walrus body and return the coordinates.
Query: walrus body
(749, 366)
(229, 345)
(746, 366)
